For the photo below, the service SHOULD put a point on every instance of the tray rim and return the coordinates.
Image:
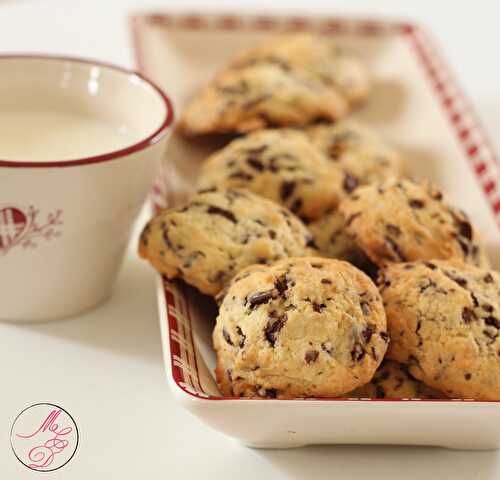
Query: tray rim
(460, 113)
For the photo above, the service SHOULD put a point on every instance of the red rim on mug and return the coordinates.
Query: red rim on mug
(150, 140)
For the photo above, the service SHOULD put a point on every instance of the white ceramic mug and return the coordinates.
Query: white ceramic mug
(65, 223)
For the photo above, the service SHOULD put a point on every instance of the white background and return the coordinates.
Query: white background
(106, 367)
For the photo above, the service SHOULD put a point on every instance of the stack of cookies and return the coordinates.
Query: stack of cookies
(335, 274)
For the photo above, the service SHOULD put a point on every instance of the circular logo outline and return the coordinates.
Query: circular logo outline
(51, 405)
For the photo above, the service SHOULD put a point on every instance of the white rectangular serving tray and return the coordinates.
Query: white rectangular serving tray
(418, 106)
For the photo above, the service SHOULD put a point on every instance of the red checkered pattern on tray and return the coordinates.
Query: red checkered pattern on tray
(463, 120)
(183, 357)
(462, 117)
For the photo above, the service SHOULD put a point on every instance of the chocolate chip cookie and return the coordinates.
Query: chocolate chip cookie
(216, 234)
(291, 80)
(444, 323)
(360, 152)
(403, 221)
(259, 96)
(299, 328)
(281, 165)
(335, 67)
(393, 380)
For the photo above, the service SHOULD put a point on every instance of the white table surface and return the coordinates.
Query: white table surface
(106, 367)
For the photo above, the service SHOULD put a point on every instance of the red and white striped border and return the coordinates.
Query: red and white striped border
(458, 109)
(272, 24)
(462, 117)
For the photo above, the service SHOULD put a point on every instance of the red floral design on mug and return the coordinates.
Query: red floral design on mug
(44, 437)
(19, 227)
